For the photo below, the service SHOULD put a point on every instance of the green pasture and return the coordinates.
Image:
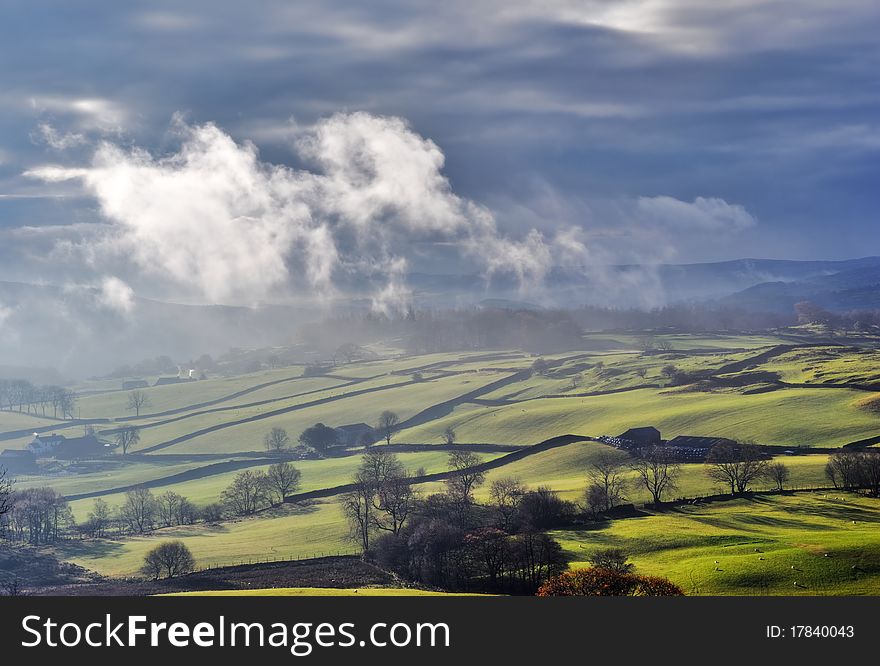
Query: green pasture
(289, 532)
(786, 417)
(316, 474)
(827, 543)
(565, 470)
(406, 401)
(12, 421)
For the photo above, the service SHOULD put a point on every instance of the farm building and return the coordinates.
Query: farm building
(42, 445)
(67, 448)
(640, 437)
(355, 434)
(134, 384)
(164, 381)
(18, 461)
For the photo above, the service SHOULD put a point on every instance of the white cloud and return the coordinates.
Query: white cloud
(702, 214)
(58, 140)
(116, 295)
(214, 220)
(90, 113)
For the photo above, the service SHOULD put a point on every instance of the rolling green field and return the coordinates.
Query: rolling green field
(787, 417)
(291, 532)
(820, 397)
(792, 534)
(316, 474)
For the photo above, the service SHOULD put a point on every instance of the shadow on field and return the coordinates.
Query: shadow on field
(94, 549)
(823, 508)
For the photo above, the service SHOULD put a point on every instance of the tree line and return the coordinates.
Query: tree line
(23, 396)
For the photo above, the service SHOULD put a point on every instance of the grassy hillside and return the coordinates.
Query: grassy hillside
(288, 532)
(789, 417)
(761, 545)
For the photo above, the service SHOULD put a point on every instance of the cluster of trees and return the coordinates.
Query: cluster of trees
(322, 438)
(33, 515)
(23, 396)
(446, 539)
(734, 465)
(850, 470)
(251, 491)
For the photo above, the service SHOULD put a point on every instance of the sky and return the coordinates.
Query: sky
(231, 152)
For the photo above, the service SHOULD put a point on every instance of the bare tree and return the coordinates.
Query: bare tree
(657, 470)
(506, 495)
(606, 471)
(736, 465)
(174, 509)
(388, 424)
(779, 474)
(466, 477)
(137, 400)
(283, 480)
(169, 559)
(127, 437)
(139, 510)
(5, 493)
(595, 500)
(276, 440)
(843, 469)
(613, 559)
(449, 435)
(247, 493)
(392, 492)
(98, 519)
(357, 505)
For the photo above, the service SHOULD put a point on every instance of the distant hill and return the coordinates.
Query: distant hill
(640, 285)
(856, 289)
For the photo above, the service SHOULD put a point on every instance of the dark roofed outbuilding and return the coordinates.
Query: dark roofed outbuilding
(643, 436)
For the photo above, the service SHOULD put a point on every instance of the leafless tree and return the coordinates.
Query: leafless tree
(613, 559)
(779, 474)
(466, 476)
(657, 470)
(843, 469)
(139, 510)
(606, 471)
(595, 500)
(5, 493)
(393, 497)
(169, 559)
(98, 519)
(449, 435)
(175, 509)
(276, 440)
(506, 495)
(137, 400)
(388, 424)
(357, 505)
(283, 480)
(247, 493)
(736, 465)
(127, 437)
